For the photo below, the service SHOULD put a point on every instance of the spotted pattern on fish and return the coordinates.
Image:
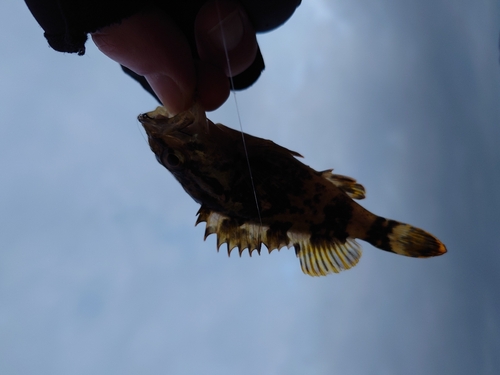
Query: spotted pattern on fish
(297, 206)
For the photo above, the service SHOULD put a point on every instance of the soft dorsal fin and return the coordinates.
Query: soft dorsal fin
(322, 259)
(347, 184)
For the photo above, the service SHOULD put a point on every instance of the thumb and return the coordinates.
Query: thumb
(151, 45)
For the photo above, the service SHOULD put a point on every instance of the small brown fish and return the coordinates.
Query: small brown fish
(297, 206)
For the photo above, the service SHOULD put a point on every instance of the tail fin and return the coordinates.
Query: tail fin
(403, 239)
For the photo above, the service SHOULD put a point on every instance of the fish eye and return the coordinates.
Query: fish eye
(172, 160)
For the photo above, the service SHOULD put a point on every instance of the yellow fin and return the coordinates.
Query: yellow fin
(347, 184)
(414, 242)
(320, 260)
(403, 239)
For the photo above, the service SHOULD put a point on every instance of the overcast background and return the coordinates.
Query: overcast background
(103, 272)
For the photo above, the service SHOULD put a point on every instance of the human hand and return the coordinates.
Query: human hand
(151, 45)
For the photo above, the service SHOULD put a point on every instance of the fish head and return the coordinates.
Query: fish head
(188, 146)
(171, 137)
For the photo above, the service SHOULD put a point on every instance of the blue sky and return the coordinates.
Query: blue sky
(102, 270)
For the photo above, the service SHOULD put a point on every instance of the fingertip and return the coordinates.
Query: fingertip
(170, 93)
(213, 86)
(222, 27)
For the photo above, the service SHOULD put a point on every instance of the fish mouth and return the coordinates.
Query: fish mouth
(159, 112)
(163, 122)
(156, 117)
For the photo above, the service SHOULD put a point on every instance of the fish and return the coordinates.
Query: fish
(254, 192)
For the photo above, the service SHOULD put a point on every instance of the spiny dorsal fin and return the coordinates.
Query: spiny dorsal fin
(347, 184)
(317, 259)
(228, 232)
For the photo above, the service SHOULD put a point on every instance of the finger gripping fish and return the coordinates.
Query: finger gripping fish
(296, 206)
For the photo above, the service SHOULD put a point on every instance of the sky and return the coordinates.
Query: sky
(102, 270)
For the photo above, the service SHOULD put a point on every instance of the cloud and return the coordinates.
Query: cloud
(102, 270)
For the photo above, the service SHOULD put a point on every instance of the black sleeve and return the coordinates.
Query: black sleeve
(67, 23)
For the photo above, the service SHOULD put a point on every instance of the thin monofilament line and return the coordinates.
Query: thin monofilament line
(239, 117)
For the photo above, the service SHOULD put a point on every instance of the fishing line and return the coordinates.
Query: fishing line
(239, 117)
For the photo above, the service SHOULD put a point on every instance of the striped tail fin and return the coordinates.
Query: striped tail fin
(403, 239)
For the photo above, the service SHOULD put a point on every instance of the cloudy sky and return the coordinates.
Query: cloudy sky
(103, 272)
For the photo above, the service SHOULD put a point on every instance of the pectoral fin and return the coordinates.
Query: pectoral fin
(347, 184)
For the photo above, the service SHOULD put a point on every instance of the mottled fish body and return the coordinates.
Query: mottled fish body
(297, 206)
